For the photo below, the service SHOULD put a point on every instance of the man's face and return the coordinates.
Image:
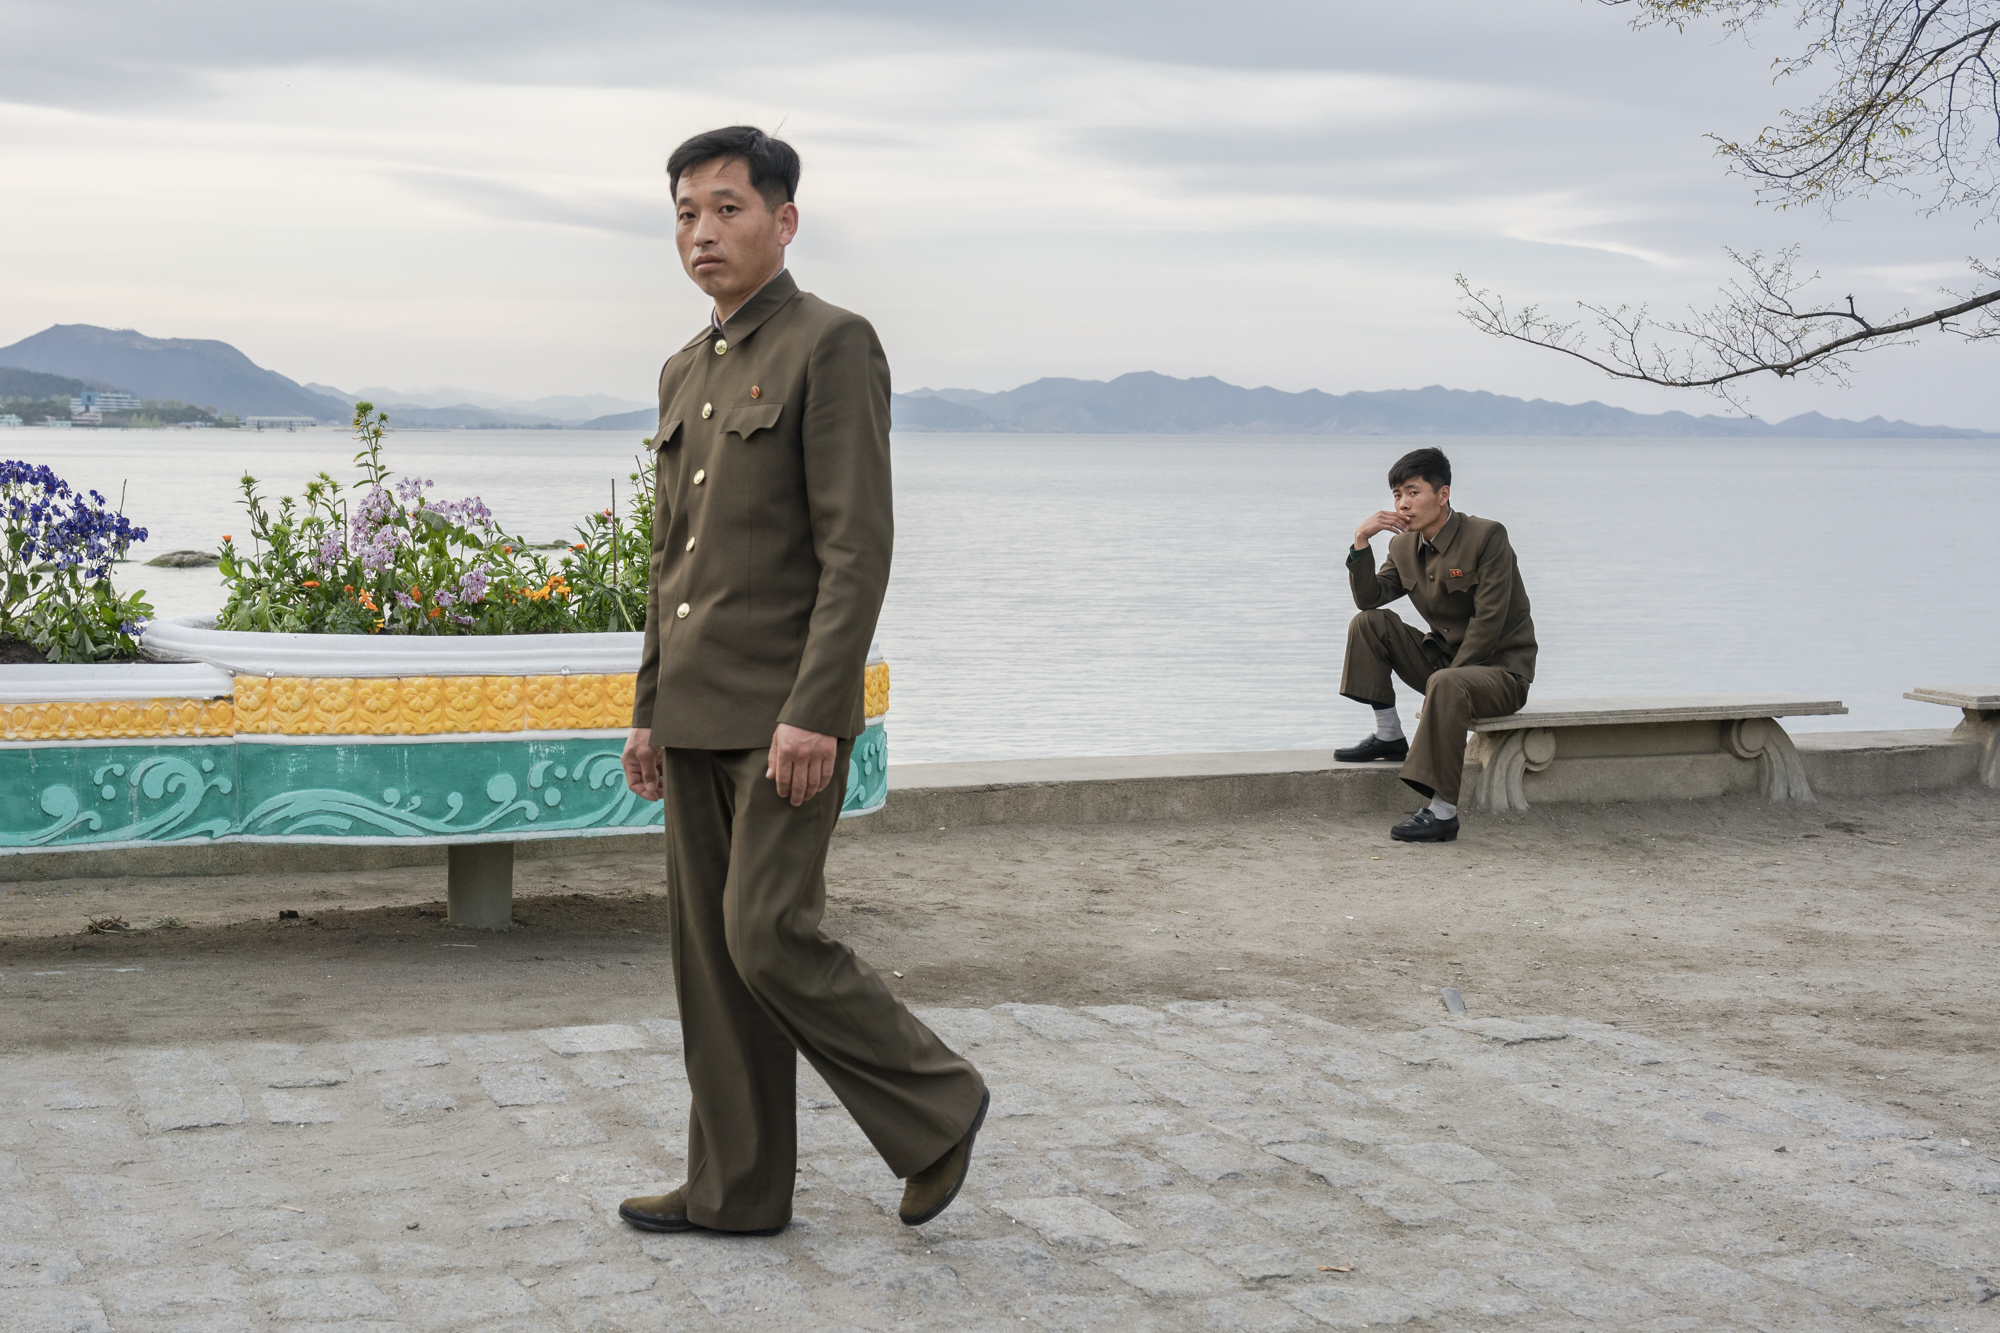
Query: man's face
(731, 241)
(1421, 504)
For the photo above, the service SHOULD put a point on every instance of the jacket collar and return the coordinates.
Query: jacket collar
(769, 300)
(1446, 534)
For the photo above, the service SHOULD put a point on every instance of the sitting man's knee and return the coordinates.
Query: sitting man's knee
(1451, 682)
(1372, 623)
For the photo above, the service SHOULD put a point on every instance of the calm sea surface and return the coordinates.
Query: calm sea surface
(1086, 595)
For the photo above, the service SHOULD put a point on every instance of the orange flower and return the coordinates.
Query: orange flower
(416, 593)
(310, 583)
(226, 537)
(577, 547)
(435, 613)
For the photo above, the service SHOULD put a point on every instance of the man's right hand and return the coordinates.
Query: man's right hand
(644, 764)
(1383, 520)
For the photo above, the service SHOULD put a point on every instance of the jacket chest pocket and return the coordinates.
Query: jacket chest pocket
(745, 422)
(1466, 582)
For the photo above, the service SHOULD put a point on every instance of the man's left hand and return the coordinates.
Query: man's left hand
(801, 761)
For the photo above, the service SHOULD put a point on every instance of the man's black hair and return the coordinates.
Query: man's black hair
(1429, 464)
(774, 166)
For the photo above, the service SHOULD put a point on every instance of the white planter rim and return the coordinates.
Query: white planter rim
(250, 652)
(106, 682)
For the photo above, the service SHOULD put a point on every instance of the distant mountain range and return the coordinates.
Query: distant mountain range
(200, 371)
(213, 374)
(1146, 403)
(445, 405)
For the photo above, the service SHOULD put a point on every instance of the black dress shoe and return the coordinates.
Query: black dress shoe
(1424, 826)
(1374, 748)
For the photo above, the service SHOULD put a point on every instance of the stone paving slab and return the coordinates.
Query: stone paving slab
(1205, 1165)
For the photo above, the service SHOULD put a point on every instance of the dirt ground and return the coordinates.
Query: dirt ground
(1848, 943)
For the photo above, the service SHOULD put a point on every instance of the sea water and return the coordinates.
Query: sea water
(1088, 595)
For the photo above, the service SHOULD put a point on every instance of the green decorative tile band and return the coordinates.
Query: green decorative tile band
(55, 796)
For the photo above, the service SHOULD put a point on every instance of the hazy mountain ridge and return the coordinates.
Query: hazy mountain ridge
(448, 405)
(211, 373)
(201, 371)
(1154, 404)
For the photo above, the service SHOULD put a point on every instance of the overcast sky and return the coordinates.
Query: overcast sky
(1270, 192)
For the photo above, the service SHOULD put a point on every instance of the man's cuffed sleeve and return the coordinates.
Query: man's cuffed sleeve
(1372, 588)
(845, 439)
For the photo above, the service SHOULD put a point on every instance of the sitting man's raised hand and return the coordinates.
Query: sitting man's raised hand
(1382, 520)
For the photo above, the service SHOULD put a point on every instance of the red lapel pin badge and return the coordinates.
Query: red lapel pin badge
(1458, 573)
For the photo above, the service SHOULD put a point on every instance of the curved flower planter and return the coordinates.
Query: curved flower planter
(340, 738)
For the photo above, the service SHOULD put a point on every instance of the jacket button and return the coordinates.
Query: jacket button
(690, 543)
(721, 346)
(707, 411)
(681, 611)
(700, 475)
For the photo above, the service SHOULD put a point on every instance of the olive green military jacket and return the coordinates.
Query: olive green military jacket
(773, 526)
(1470, 591)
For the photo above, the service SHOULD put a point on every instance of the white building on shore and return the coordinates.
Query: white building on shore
(104, 400)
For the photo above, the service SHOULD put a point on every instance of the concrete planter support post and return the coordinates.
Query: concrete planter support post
(1980, 726)
(1641, 748)
(479, 885)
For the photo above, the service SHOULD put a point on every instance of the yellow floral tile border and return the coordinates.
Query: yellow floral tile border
(429, 705)
(876, 690)
(364, 706)
(116, 719)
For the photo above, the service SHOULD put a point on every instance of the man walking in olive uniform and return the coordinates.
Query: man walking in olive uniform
(771, 546)
(1476, 662)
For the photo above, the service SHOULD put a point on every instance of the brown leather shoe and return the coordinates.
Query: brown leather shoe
(931, 1190)
(668, 1212)
(658, 1212)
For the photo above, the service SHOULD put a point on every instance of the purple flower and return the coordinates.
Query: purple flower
(472, 585)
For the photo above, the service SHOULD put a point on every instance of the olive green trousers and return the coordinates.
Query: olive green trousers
(1379, 644)
(759, 985)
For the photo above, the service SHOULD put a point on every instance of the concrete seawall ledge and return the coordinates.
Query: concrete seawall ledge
(1112, 789)
(1119, 789)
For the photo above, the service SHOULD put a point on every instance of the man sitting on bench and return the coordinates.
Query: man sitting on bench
(1476, 661)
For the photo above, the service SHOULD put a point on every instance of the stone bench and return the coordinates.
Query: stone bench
(1638, 748)
(1980, 726)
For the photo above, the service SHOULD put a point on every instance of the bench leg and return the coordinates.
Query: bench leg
(479, 885)
(1983, 730)
(1498, 787)
(1780, 775)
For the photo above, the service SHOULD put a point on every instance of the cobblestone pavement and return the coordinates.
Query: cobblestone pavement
(1210, 1165)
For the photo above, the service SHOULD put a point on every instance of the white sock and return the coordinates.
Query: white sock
(1443, 809)
(1388, 726)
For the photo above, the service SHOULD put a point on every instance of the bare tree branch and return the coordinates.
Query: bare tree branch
(1912, 106)
(1759, 327)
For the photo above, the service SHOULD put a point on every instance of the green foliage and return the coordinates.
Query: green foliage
(57, 548)
(398, 561)
(36, 384)
(32, 410)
